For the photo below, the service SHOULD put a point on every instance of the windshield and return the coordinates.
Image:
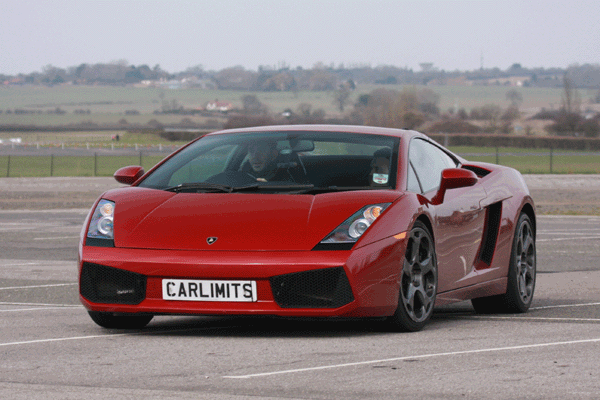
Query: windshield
(280, 162)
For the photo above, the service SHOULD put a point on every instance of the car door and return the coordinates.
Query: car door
(458, 221)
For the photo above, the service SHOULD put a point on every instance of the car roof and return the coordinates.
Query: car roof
(371, 130)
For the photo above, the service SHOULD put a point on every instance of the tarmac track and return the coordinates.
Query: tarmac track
(49, 348)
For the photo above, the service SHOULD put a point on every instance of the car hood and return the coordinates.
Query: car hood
(156, 219)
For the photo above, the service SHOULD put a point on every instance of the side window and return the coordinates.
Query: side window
(413, 183)
(446, 159)
(204, 166)
(429, 162)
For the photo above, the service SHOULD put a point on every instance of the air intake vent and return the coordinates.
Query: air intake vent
(101, 284)
(480, 172)
(490, 234)
(322, 288)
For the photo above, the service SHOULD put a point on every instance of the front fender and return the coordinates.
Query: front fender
(399, 217)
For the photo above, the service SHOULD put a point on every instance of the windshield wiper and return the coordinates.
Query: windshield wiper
(216, 188)
(328, 189)
(300, 188)
(196, 186)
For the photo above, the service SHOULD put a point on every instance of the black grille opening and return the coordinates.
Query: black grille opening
(322, 288)
(490, 234)
(102, 284)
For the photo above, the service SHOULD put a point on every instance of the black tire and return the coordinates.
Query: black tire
(418, 282)
(111, 321)
(521, 275)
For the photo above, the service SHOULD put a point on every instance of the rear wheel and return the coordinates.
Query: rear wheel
(111, 321)
(418, 282)
(521, 275)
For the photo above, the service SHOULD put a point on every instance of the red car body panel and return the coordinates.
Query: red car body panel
(161, 234)
(368, 272)
(244, 221)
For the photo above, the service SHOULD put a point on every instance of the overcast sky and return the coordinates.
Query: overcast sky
(177, 34)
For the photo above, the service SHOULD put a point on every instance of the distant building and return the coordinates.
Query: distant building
(14, 81)
(518, 81)
(216, 105)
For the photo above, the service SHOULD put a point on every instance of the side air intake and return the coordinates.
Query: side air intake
(490, 233)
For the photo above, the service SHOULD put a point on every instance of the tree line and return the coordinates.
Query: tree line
(320, 77)
(413, 108)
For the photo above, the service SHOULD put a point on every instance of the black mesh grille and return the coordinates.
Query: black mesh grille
(101, 284)
(322, 288)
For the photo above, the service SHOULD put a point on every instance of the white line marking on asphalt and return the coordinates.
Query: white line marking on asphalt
(111, 335)
(565, 305)
(37, 286)
(55, 238)
(65, 339)
(567, 217)
(452, 353)
(82, 211)
(548, 251)
(21, 264)
(7, 303)
(41, 308)
(570, 238)
(540, 318)
(579, 232)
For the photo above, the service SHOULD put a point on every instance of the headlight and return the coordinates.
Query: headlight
(101, 225)
(351, 229)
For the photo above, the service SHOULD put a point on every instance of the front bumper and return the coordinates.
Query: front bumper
(353, 283)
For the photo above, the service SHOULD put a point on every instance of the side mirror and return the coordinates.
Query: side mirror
(128, 175)
(454, 178)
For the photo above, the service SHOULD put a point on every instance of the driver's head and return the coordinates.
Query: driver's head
(261, 154)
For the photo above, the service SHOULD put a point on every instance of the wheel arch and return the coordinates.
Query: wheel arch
(423, 218)
(528, 210)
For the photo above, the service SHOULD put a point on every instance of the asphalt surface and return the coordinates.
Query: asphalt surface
(50, 348)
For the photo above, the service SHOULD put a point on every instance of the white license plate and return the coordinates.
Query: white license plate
(203, 290)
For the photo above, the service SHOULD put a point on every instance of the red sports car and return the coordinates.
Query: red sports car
(309, 221)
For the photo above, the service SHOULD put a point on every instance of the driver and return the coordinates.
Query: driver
(261, 156)
(267, 164)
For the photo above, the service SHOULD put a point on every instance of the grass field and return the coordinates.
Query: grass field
(42, 166)
(540, 163)
(526, 161)
(534, 161)
(93, 138)
(108, 104)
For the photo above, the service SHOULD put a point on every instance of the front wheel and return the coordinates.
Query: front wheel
(521, 275)
(418, 282)
(111, 321)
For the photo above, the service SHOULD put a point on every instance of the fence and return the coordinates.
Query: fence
(83, 161)
(34, 161)
(541, 161)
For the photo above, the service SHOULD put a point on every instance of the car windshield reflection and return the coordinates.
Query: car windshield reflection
(290, 161)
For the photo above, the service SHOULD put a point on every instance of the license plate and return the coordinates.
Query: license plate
(203, 290)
